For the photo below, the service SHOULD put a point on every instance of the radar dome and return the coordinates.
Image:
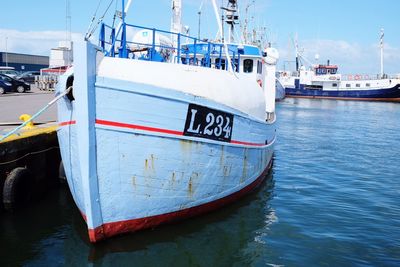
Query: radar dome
(271, 55)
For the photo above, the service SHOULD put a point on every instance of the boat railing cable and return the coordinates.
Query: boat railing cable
(90, 32)
(93, 19)
(58, 97)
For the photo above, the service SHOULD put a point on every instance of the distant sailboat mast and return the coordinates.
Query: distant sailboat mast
(381, 45)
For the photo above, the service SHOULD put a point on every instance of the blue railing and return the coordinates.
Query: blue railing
(166, 46)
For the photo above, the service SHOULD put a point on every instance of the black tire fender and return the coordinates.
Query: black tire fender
(61, 172)
(17, 188)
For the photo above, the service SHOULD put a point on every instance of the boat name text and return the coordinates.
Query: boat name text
(208, 123)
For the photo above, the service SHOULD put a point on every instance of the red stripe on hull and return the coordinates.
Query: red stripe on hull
(115, 228)
(160, 130)
(246, 143)
(137, 127)
(65, 123)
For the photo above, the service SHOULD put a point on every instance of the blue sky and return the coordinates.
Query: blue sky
(344, 31)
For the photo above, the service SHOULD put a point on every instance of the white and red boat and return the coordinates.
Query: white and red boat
(152, 132)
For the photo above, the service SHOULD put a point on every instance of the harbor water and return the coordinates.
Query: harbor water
(331, 199)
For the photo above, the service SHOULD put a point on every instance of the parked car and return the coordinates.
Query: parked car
(9, 71)
(16, 85)
(28, 76)
(5, 86)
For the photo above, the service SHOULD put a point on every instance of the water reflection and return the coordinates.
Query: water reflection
(53, 233)
(216, 239)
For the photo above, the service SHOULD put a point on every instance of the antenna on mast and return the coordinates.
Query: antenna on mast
(381, 45)
(231, 18)
(68, 39)
(199, 13)
(67, 21)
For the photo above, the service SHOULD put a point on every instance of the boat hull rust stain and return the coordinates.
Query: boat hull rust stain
(163, 174)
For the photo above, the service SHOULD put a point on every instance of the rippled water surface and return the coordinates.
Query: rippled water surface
(332, 199)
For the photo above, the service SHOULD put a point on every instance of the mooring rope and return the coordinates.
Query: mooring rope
(37, 113)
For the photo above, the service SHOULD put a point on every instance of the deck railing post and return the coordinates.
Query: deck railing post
(153, 46)
(194, 52)
(102, 36)
(179, 48)
(208, 61)
(220, 57)
(113, 42)
(238, 63)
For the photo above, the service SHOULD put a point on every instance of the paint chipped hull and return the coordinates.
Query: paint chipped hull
(131, 164)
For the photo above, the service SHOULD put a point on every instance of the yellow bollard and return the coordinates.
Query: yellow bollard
(24, 118)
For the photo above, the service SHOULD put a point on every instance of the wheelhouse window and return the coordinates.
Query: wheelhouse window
(334, 84)
(367, 84)
(320, 71)
(220, 63)
(259, 67)
(347, 85)
(357, 85)
(247, 65)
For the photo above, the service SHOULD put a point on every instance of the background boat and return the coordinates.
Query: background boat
(324, 81)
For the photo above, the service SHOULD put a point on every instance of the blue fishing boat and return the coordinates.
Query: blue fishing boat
(324, 81)
(162, 126)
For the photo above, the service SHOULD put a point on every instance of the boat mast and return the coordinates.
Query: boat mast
(124, 52)
(176, 21)
(296, 45)
(228, 58)
(381, 44)
(231, 18)
(199, 13)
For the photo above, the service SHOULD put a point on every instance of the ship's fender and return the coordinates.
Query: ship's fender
(17, 188)
(61, 172)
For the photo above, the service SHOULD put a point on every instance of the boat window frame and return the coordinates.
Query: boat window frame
(248, 68)
(259, 67)
(223, 63)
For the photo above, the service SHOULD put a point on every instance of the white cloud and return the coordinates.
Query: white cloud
(352, 58)
(32, 42)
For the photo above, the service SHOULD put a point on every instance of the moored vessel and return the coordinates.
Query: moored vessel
(324, 81)
(162, 127)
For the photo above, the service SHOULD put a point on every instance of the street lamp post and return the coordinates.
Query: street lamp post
(6, 52)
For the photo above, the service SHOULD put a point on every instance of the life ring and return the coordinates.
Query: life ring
(357, 77)
(259, 81)
(17, 188)
(350, 77)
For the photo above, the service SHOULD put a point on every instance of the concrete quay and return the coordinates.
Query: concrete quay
(15, 104)
(29, 160)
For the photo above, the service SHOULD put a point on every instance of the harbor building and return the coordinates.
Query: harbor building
(24, 62)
